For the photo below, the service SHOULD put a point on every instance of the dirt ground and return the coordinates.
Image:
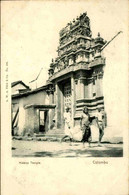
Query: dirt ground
(22, 148)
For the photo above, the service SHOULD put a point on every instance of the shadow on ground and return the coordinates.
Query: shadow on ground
(88, 152)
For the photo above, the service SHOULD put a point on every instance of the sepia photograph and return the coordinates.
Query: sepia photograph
(62, 104)
(64, 97)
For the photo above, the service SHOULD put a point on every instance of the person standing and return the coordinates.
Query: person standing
(100, 123)
(67, 119)
(85, 126)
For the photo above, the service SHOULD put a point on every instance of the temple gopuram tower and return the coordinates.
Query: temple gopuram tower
(76, 75)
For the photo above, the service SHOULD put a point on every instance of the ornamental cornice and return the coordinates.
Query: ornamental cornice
(82, 79)
(82, 50)
(68, 69)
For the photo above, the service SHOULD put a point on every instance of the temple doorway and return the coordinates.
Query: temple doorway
(67, 94)
(42, 120)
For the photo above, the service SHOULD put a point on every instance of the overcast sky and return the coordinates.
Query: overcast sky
(30, 37)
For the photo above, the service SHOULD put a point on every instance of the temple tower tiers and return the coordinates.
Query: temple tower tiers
(77, 73)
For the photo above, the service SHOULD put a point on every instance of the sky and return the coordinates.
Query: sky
(30, 37)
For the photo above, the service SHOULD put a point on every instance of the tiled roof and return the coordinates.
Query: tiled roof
(19, 82)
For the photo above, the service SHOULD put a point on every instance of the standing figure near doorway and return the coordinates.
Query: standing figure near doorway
(85, 126)
(67, 119)
(100, 123)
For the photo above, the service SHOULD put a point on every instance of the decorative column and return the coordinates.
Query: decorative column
(51, 96)
(55, 102)
(99, 86)
(94, 84)
(82, 89)
(73, 95)
(58, 106)
(61, 107)
(50, 92)
(90, 89)
(85, 89)
(77, 89)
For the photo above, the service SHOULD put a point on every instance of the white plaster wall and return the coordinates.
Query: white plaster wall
(21, 124)
(37, 98)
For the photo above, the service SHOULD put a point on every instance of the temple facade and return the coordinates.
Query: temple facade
(76, 75)
(75, 80)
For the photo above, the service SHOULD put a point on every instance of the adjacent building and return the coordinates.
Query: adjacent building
(19, 87)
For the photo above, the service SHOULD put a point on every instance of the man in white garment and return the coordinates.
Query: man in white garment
(68, 125)
(100, 123)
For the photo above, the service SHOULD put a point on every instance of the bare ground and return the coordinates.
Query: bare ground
(22, 148)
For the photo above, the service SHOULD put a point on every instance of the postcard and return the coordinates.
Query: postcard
(64, 97)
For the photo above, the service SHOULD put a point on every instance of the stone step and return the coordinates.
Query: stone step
(50, 135)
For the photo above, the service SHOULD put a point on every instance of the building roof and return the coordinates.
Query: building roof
(19, 82)
(30, 92)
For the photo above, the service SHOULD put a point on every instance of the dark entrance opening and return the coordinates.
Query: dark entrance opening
(42, 120)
